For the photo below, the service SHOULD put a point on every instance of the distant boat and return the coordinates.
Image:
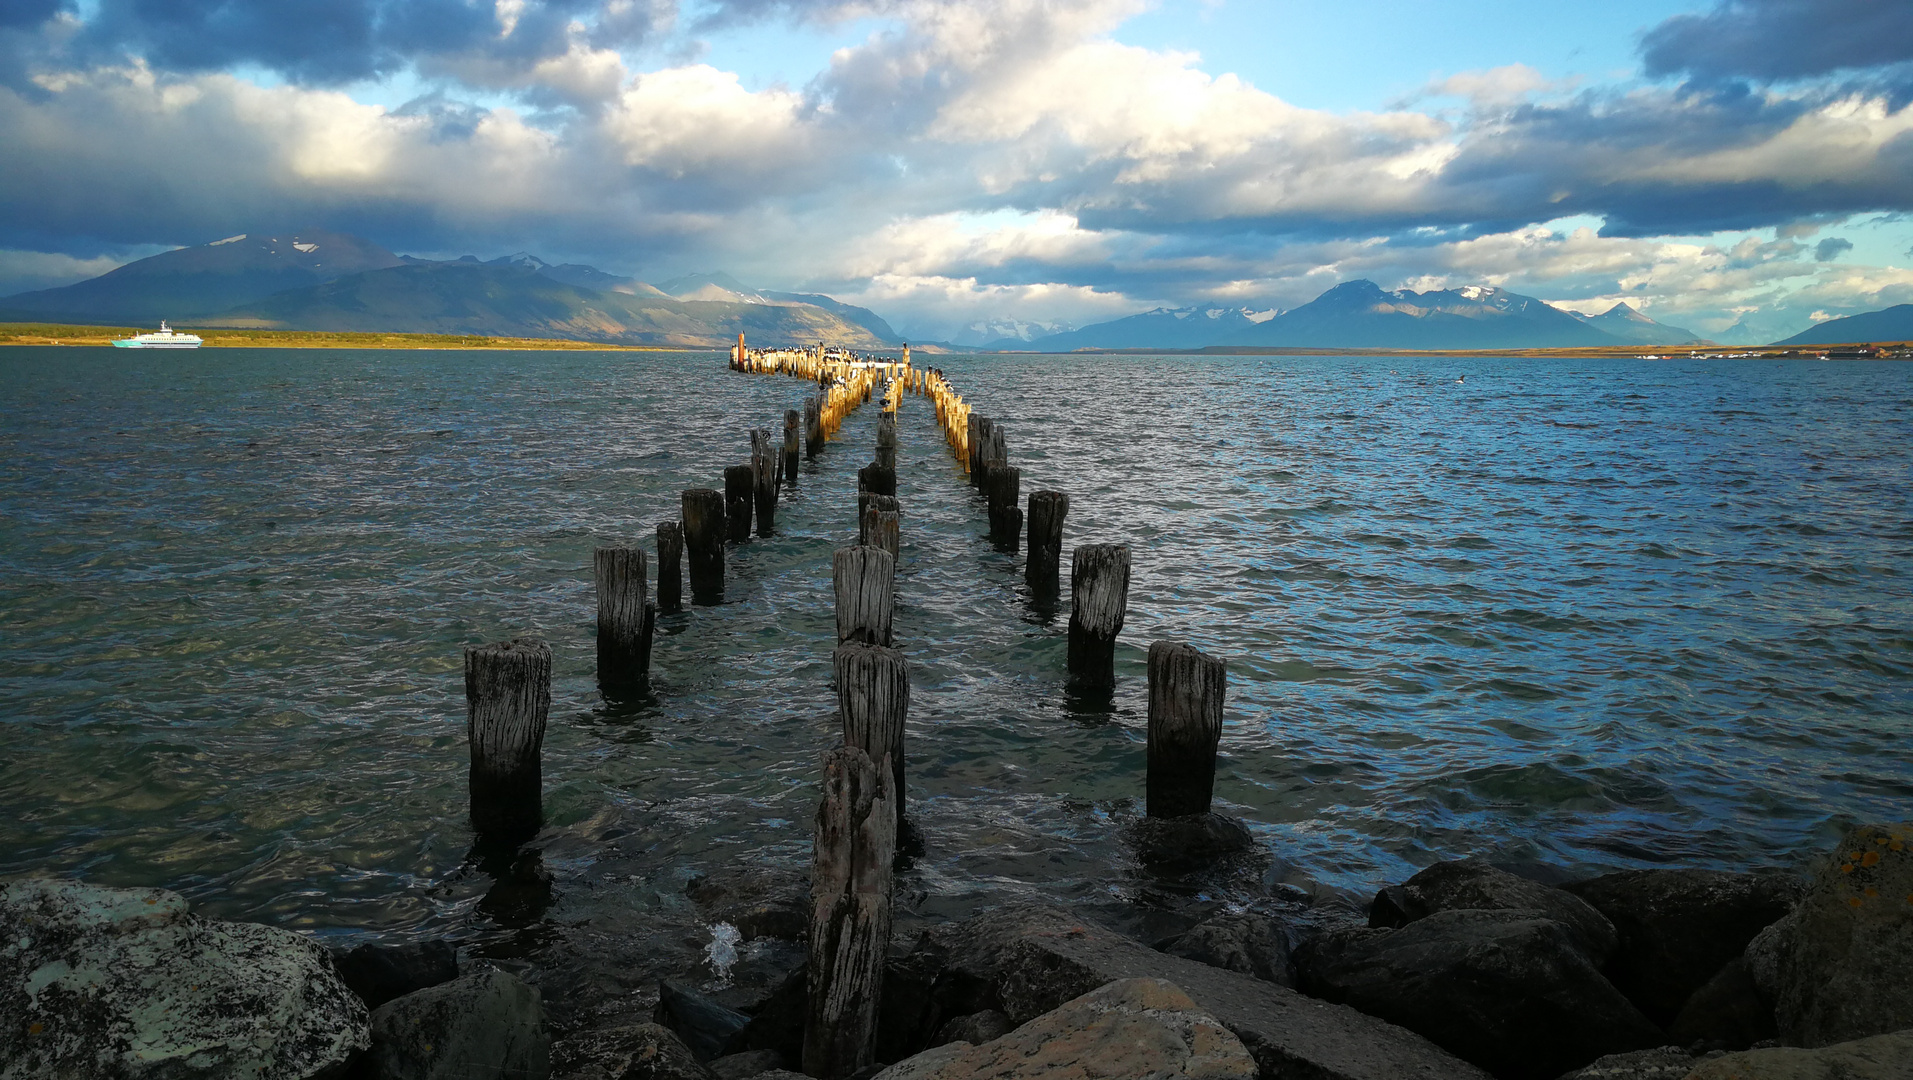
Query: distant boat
(164, 339)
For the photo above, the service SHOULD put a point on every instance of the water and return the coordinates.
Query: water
(1587, 613)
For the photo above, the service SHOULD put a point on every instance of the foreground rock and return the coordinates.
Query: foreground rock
(1473, 884)
(1511, 991)
(1727, 1012)
(1840, 967)
(109, 983)
(379, 973)
(1193, 840)
(627, 1052)
(1026, 961)
(1881, 1057)
(1678, 928)
(1660, 1063)
(1135, 1027)
(1248, 943)
(487, 1024)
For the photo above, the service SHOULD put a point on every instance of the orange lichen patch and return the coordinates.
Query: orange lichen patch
(1880, 839)
(1897, 846)
(1872, 859)
(1854, 901)
(1872, 893)
(1846, 868)
(37, 1027)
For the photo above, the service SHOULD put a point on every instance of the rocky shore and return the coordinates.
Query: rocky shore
(1464, 971)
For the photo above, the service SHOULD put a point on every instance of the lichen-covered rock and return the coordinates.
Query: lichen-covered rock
(629, 1052)
(1677, 927)
(1661, 1063)
(1473, 884)
(1511, 991)
(1135, 1027)
(974, 1028)
(488, 1024)
(1841, 966)
(109, 983)
(1245, 942)
(1880, 1057)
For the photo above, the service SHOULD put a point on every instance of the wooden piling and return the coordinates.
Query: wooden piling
(507, 702)
(813, 427)
(1186, 688)
(887, 441)
(624, 606)
(865, 577)
(703, 510)
(1041, 570)
(883, 528)
(877, 479)
(764, 480)
(739, 492)
(670, 572)
(1099, 596)
(850, 889)
(865, 501)
(1003, 484)
(873, 699)
(790, 446)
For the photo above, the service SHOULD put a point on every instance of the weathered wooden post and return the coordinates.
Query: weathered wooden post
(1099, 595)
(1047, 511)
(877, 480)
(883, 528)
(670, 571)
(703, 510)
(850, 885)
(979, 444)
(887, 441)
(764, 479)
(790, 446)
(739, 482)
(507, 701)
(865, 577)
(626, 619)
(1003, 485)
(813, 426)
(873, 699)
(865, 502)
(1186, 689)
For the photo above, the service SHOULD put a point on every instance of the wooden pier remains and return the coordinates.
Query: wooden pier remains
(507, 704)
(1099, 597)
(1186, 688)
(626, 620)
(703, 516)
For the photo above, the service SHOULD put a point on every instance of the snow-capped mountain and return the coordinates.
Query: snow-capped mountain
(1160, 328)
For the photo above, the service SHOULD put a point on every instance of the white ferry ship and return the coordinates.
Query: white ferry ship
(164, 339)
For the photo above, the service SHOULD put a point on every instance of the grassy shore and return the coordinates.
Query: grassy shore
(52, 334)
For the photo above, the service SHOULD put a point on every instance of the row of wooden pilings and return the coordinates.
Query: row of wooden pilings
(860, 821)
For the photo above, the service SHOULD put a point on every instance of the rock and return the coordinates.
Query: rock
(488, 1023)
(1662, 1063)
(109, 983)
(379, 973)
(1677, 927)
(1841, 966)
(1511, 991)
(1879, 1057)
(1134, 1027)
(759, 901)
(1726, 1013)
(747, 1064)
(1026, 961)
(1187, 841)
(628, 1052)
(926, 1064)
(1472, 883)
(1251, 944)
(977, 1027)
(778, 1023)
(705, 1026)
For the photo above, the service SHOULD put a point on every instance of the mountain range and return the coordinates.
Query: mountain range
(1892, 324)
(312, 279)
(1359, 314)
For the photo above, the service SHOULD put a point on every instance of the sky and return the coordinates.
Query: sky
(1740, 168)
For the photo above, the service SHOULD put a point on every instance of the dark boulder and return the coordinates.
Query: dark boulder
(1726, 1013)
(1677, 927)
(1660, 1063)
(1245, 942)
(747, 1064)
(379, 973)
(488, 1023)
(1511, 991)
(627, 1052)
(707, 1027)
(1472, 883)
(759, 901)
(976, 1028)
(1174, 843)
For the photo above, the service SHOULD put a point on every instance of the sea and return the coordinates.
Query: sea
(1571, 615)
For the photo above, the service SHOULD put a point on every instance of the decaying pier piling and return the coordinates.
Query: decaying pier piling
(670, 560)
(1041, 568)
(507, 704)
(764, 480)
(865, 579)
(850, 893)
(626, 619)
(740, 491)
(1099, 597)
(790, 446)
(1186, 689)
(703, 510)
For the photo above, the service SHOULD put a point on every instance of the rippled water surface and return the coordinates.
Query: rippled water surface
(1592, 613)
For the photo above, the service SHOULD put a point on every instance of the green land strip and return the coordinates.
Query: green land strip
(53, 334)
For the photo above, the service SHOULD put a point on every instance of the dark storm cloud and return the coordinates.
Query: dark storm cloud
(1831, 248)
(1781, 39)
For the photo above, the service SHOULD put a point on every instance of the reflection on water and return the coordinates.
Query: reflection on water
(1594, 613)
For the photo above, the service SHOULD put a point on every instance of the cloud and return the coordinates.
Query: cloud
(25, 271)
(1780, 39)
(1831, 248)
